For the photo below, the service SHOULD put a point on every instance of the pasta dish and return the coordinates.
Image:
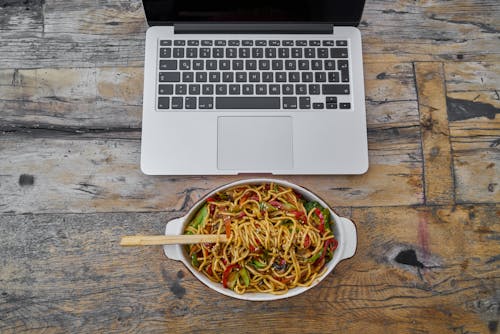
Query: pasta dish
(277, 240)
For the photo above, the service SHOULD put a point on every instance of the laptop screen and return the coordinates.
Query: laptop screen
(339, 12)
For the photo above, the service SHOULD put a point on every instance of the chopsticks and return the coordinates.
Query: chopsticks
(148, 240)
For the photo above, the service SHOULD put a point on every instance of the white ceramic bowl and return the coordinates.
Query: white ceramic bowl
(344, 231)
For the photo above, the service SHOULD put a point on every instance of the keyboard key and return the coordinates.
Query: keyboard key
(187, 76)
(287, 89)
(287, 43)
(205, 53)
(318, 105)
(193, 43)
(250, 64)
(303, 65)
(301, 43)
(214, 76)
(241, 76)
(177, 102)
(198, 65)
(163, 102)
(261, 43)
(316, 65)
(234, 89)
(296, 53)
(247, 102)
(341, 43)
(165, 52)
(207, 89)
(331, 105)
(307, 77)
(220, 43)
(247, 89)
(237, 65)
(267, 76)
(331, 99)
(291, 64)
(339, 53)
(178, 42)
(323, 53)
(310, 53)
(257, 52)
(168, 65)
(181, 89)
(244, 53)
(300, 89)
(206, 102)
(293, 76)
(220, 89)
(211, 64)
(201, 77)
(261, 89)
(289, 103)
(218, 52)
(169, 77)
(274, 89)
(194, 89)
(190, 102)
(206, 43)
(320, 76)
(314, 43)
(335, 89)
(345, 105)
(304, 102)
(280, 77)
(343, 64)
(224, 64)
(314, 89)
(329, 64)
(185, 64)
(247, 43)
(264, 65)
(333, 77)
(328, 43)
(344, 75)
(227, 76)
(231, 53)
(284, 53)
(167, 42)
(178, 53)
(274, 43)
(254, 76)
(270, 52)
(165, 89)
(234, 43)
(277, 64)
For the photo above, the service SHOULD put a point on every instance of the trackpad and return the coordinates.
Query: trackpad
(249, 143)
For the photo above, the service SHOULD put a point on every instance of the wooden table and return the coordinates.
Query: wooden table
(427, 211)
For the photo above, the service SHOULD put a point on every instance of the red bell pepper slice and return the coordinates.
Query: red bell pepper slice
(225, 274)
(321, 226)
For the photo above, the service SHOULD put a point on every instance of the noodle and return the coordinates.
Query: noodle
(276, 239)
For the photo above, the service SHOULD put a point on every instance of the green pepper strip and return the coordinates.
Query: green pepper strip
(200, 216)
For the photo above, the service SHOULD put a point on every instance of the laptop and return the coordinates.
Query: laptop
(253, 86)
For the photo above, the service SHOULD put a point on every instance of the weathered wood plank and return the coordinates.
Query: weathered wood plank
(111, 33)
(101, 175)
(473, 111)
(67, 273)
(430, 31)
(439, 183)
(21, 16)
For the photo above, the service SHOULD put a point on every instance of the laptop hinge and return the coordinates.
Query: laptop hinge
(253, 28)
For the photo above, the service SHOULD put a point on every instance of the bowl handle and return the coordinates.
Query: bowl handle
(350, 238)
(174, 227)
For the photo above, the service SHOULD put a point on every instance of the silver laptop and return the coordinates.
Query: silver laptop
(253, 86)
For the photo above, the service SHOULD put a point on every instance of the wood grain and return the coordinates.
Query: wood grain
(68, 273)
(439, 183)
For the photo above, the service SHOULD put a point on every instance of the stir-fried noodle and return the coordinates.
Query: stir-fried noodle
(277, 239)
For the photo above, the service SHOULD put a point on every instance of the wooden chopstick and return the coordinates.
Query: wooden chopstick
(147, 240)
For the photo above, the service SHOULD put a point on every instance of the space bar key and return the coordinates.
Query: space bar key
(247, 103)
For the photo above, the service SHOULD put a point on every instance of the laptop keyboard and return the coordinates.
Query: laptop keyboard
(253, 74)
